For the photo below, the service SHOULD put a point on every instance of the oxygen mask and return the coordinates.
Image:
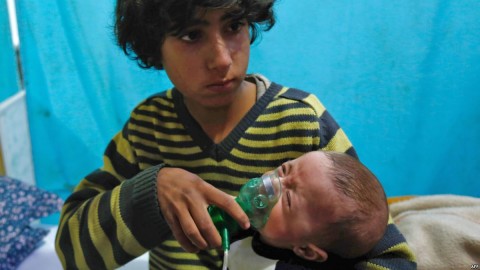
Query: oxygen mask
(257, 198)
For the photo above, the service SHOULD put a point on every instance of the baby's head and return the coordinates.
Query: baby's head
(330, 203)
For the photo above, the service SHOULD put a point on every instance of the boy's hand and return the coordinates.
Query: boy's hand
(184, 198)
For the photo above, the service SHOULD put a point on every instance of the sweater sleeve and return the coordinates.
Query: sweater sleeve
(113, 215)
(391, 253)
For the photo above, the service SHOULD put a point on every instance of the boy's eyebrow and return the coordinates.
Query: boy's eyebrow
(233, 14)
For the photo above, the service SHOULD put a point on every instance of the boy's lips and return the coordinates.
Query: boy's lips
(221, 86)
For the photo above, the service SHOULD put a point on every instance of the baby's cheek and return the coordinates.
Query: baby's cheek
(274, 222)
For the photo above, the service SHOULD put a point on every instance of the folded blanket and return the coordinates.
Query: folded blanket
(442, 230)
(242, 257)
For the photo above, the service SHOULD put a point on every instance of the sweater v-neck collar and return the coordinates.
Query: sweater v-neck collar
(221, 150)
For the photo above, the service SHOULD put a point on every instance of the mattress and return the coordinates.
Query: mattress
(44, 257)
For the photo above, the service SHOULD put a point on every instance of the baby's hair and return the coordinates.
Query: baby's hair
(356, 184)
(142, 25)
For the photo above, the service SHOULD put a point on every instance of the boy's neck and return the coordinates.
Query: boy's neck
(217, 123)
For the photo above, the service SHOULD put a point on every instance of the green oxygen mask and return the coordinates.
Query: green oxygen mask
(257, 198)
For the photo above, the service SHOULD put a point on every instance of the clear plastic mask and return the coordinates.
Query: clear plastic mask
(258, 196)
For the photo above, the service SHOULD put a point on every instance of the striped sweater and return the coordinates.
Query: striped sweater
(113, 214)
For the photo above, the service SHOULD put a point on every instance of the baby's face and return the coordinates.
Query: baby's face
(305, 206)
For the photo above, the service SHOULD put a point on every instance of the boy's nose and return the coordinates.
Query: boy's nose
(220, 55)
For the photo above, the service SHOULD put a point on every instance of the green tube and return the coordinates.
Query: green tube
(224, 224)
(225, 239)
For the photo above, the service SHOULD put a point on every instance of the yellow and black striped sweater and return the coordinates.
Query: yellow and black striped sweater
(113, 215)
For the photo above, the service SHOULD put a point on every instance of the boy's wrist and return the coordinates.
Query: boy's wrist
(147, 222)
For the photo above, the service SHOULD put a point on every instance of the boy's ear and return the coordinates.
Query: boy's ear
(310, 252)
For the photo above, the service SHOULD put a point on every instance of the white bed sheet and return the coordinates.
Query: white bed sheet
(44, 257)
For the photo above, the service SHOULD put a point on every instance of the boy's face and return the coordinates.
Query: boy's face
(208, 61)
(305, 207)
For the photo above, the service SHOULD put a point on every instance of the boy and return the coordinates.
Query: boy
(332, 213)
(186, 148)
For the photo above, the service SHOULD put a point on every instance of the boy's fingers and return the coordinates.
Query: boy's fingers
(231, 207)
(206, 227)
(193, 234)
(182, 238)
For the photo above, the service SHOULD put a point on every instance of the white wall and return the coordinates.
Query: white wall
(15, 139)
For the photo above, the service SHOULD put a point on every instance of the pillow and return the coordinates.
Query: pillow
(20, 205)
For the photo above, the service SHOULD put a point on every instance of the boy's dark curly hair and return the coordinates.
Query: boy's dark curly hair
(142, 25)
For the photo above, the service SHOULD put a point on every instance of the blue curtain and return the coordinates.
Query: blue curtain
(401, 77)
(80, 88)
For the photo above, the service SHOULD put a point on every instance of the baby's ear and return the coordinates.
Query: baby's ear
(310, 252)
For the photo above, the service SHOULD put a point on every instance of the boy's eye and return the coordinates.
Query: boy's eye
(236, 26)
(191, 36)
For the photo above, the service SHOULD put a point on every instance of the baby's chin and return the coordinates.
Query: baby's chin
(266, 229)
(264, 234)
(268, 238)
